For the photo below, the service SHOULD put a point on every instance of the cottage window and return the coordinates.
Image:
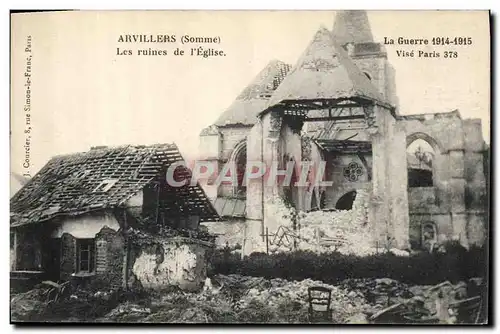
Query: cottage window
(85, 255)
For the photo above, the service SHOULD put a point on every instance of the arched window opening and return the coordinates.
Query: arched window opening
(290, 190)
(314, 202)
(346, 201)
(420, 156)
(240, 160)
(322, 200)
(429, 236)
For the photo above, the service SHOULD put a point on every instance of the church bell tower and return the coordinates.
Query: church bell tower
(351, 29)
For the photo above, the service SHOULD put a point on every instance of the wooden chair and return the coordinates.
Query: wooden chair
(320, 297)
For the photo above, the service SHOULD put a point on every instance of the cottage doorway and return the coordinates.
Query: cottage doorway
(53, 259)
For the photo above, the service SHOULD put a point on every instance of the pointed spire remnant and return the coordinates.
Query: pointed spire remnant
(352, 26)
(324, 71)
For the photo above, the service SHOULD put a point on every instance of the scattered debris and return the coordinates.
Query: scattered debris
(243, 299)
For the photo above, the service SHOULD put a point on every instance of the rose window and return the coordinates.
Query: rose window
(353, 171)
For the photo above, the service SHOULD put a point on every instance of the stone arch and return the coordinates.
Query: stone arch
(436, 145)
(239, 158)
(421, 152)
(346, 201)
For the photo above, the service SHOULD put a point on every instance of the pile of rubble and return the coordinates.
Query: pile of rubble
(275, 291)
(243, 299)
(345, 231)
(394, 302)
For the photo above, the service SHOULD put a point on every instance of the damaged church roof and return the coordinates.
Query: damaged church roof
(325, 71)
(102, 178)
(253, 99)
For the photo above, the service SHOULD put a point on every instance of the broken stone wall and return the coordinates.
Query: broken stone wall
(336, 165)
(110, 251)
(228, 232)
(179, 262)
(347, 231)
(457, 201)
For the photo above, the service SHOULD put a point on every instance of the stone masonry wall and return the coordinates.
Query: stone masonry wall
(110, 249)
(68, 256)
(172, 262)
(349, 227)
(229, 231)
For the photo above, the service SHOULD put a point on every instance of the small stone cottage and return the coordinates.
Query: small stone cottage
(109, 214)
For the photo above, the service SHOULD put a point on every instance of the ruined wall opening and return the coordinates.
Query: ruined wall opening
(429, 236)
(239, 157)
(420, 155)
(314, 202)
(322, 200)
(346, 201)
(291, 191)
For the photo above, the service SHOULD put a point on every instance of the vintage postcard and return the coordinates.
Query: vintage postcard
(250, 167)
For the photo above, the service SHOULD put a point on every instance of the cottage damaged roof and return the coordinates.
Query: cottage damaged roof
(253, 99)
(325, 71)
(102, 178)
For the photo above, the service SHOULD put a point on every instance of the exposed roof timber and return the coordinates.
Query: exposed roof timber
(319, 107)
(344, 146)
(331, 118)
(318, 104)
(301, 108)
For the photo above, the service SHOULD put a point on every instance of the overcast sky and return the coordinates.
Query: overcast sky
(84, 95)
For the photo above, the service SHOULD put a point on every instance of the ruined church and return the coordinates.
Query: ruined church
(418, 179)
